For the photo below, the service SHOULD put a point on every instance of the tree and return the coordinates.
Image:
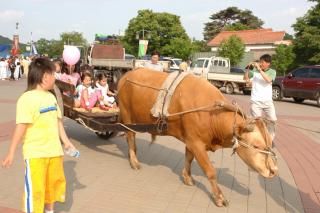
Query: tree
(73, 38)
(233, 48)
(307, 36)
(231, 18)
(43, 46)
(179, 48)
(283, 58)
(200, 46)
(54, 48)
(287, 36)
(165, 31)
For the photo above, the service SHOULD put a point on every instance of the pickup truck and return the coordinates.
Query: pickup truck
(111, 59)
(218, 72)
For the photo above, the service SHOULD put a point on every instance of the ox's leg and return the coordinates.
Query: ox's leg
(204, 162)
(153, 138)
(186, 172)
(131, 139)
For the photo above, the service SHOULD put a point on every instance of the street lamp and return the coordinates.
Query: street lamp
(147, 32)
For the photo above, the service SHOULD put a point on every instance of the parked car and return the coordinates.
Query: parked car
(300, 84)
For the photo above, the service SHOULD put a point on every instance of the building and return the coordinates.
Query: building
(257, 42)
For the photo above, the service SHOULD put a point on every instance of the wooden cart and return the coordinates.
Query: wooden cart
(104, 123)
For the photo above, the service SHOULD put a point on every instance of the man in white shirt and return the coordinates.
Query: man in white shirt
(261, 77)
(154, 63)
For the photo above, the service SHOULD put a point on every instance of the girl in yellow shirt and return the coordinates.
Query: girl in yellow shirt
(39, 125)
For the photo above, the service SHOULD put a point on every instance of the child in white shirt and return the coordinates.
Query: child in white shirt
(102, 85)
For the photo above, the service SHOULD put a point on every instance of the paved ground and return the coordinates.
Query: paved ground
(101, 180)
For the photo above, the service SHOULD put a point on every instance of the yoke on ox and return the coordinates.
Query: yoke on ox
(199, 116)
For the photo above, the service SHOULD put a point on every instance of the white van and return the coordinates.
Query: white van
(203, 66)
(174, 63)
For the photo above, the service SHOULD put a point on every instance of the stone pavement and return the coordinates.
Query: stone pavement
(101, 180)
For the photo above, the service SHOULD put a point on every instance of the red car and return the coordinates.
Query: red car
(300, 84)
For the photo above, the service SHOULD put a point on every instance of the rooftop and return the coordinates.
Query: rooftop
(256, 36)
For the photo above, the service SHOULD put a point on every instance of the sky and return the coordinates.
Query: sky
(48, 18)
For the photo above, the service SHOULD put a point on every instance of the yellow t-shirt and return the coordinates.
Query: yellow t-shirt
(39, 109)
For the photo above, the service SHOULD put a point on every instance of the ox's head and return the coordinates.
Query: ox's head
(254, 146)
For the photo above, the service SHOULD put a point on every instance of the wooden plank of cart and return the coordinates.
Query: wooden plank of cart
(104, 123)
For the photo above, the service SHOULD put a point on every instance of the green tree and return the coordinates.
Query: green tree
(287, 36)
(73, 38)
(231, 18)
(54, 48)
(43, 46)
(163, 30)
(283, 59)
(178, 48)
(233, 48)
(307, 36)
(200, 46)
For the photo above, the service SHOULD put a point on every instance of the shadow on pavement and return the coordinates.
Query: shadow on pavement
(73, 184)
(280, 198)
(147, 154)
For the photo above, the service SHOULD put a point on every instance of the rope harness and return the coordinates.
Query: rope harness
(236, 142)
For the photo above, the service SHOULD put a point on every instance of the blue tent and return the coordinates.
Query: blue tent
(5, 50)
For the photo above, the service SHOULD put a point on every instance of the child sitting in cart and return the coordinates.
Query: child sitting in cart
(108, 96)
(87, 95)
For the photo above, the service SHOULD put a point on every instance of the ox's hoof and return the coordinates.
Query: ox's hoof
(135, 166)
(188, 181)
(221, 203)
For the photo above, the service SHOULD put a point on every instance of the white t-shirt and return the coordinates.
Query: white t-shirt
(261, 89)
(157, 67)
(80, 89)
(3, 69)
(104, 89)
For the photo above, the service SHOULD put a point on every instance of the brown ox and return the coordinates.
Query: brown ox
(202, 130)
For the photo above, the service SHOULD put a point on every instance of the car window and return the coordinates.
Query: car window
(199, 63)
(206, 63)
(177, 61)
(301, 73)
(314, 73)
(220, 63)
(215, 62)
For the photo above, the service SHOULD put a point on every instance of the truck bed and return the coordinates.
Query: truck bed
(226, 77)
(114, 63)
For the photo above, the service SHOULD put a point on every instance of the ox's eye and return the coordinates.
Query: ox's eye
(256, 147)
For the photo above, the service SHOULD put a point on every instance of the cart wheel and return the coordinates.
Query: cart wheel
(59, 98)
(106, 135)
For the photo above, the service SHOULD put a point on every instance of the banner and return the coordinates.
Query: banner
(143, 46)
(15, 45)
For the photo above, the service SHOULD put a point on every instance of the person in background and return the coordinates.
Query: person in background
(154, 62)
(39, 125)
(3, 69)
(25, 64)
(108, 96)
(17, 71)
(12, 66)
(183, 67)
(68, 75)
(261, 77)
(58, 68)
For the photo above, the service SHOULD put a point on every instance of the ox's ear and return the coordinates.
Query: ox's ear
(248, 128)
